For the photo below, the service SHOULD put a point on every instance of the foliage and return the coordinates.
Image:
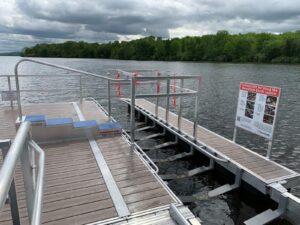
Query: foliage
(220, 47)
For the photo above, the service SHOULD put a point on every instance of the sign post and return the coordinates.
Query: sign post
(257, 110)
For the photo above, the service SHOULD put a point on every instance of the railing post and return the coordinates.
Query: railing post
(18, 90)
(132, 113)
(168, 100)
(269, 151)
(196, 109)
(80, 88)
(27, 176)
(157, 98)
(234, 134)
(12, 191)
(39, 190)
(108, 98)
(180, 105)
(9, 88)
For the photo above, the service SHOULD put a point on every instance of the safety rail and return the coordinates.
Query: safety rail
(182, 92)
(23, 148)
(108, 79)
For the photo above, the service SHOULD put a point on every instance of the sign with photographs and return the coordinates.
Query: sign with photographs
(257, 107)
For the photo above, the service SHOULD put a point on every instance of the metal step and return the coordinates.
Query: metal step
(264, 217)
(190, 173)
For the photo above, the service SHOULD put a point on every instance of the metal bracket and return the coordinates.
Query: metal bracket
(279, 192)
(177, 156)
(228, 187)
(150, 136)
(160, 146)
(269, 215)
(174, 157)
(145, 128)
(190, 173)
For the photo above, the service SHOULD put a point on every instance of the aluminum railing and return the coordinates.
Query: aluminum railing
(23, 149)
(108, 79)
(182, 92)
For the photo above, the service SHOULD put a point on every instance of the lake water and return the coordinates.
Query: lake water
(219, 91)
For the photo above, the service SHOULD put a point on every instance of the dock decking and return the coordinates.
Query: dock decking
(75, 191)
(266, 170)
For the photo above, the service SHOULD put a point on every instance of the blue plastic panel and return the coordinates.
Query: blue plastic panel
(110, 126)
(35, 118)
(59, 121)
(85, 124)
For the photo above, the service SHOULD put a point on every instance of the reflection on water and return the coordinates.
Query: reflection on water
(218, 101)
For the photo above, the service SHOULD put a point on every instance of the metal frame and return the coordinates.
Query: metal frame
(21, 148)
(264, 186)
(110, 80)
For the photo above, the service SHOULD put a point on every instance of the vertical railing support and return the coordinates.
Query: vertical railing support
(157, 98)
(12, 191)
(168, 100)
(27, 175)
(80, 88)
(108, 99)
(9, 88)
(234, 134)
(18, 91)
(196, 109)
(269, 151)
(180, 105)
(132, 112)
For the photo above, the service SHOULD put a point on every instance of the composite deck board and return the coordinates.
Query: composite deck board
(71, 194)
(263, 168)
(131, 177)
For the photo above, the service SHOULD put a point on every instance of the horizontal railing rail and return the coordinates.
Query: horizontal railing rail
(22, 149)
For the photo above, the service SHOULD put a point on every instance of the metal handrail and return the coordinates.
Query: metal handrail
(10, 162)
(108, 79)
(168, 94)
(39, 189)
(19, 149)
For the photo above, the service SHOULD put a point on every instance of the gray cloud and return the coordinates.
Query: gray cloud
(27, 22)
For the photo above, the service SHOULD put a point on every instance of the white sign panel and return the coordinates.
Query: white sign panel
(257, 109)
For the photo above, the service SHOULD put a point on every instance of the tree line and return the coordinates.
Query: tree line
(219, 47)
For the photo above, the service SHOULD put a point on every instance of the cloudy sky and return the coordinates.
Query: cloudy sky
(27, 22)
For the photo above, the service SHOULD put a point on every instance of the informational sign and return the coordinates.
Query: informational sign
(9, 95)
(257, 109)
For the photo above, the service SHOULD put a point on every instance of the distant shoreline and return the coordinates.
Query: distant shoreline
(219, 47)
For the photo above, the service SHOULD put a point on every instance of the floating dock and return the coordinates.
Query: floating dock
(100, 181)
(266, 176)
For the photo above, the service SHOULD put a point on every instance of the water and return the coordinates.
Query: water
(220, 83)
